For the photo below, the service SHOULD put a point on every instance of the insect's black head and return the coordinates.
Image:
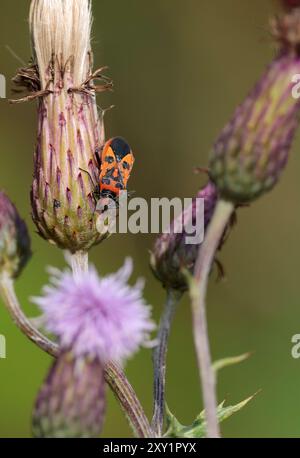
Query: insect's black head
(120, 148)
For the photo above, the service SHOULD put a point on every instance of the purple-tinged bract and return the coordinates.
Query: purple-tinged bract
(14, 239)
(71, 402)
(172, 254)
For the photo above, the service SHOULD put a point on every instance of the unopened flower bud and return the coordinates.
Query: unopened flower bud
(172, 254)
(14, 239)
(290, 3)
(252, 150)
(71, 402)
(70, 131)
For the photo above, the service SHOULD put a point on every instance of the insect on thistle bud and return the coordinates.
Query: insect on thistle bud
(70, 129)
(252, 150)
(14, 239)
(172, 254)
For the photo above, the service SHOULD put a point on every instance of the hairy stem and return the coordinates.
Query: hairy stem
(79, 262)
(160, 361)
(128, 400)
(116, 378)
(198, 291)
(8, 294)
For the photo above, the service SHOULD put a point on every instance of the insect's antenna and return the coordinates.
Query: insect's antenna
(15, 55)
(88, 173)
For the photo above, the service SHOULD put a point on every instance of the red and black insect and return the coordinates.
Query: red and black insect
(115, 162)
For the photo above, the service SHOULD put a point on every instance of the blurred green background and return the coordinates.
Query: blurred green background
(180, 68)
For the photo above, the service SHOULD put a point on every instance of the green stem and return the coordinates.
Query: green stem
(128, 401)
(160, 361)
(116, 378)
(8, 294)
(198, 292)
(80, 262)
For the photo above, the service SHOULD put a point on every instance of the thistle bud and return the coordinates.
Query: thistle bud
(70, 130)
(252, 151)
(172, 254)
(71, 402)
(291, 3)
(14, 239)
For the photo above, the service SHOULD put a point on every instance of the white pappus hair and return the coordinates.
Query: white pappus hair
(62, 28)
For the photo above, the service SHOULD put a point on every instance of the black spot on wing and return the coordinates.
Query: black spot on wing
(109, 159)
(126, 166)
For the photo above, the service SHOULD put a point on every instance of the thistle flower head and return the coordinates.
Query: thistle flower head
(252, 150)
(172, 254)
(70, 129)
(14, 239)
(102, 318)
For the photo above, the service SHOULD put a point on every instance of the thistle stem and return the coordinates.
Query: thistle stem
(128, 400)
(8, 294)
(198, 292)
(79, 262)
(160, 360)
(115, 376)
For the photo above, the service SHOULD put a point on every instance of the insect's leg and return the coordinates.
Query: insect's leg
(90, 177)
(97, 156)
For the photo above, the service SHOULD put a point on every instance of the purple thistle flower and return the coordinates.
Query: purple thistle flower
(103, 318)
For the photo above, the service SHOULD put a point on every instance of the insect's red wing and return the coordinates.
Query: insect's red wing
(108, 166)
(125, 167)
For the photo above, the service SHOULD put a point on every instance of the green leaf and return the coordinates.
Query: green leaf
(198, 428)
(231, 361)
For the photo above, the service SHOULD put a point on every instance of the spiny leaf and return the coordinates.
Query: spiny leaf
(198, 428)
